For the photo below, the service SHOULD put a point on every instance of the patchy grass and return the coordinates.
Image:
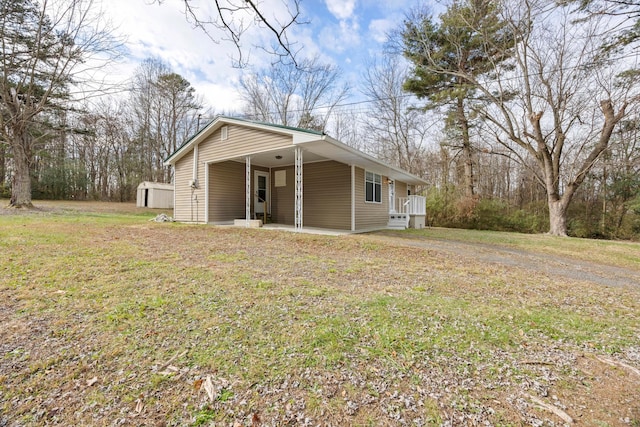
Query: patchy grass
(109, 319)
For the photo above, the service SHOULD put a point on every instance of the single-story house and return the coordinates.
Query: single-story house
(156, 195)
(243, 172)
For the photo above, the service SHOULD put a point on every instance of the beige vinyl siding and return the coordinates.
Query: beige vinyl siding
(283, 198)
(401, 189)
(189, 204)
(241, 142)
(226, 191)
(154, 195)
(159, 198)
(327, 195)
(370, 215)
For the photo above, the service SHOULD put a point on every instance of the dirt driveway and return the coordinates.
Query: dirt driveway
(551, 265)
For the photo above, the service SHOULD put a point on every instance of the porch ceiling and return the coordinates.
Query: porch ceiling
(270, 160)
(335, 150)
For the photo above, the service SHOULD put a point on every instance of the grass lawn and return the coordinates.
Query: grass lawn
(109, 319)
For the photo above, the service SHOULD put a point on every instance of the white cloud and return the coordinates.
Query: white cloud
(162, 31)
(305, 44)
(341, 37)
(341, 9)
(380, 28)
(224, 96)
(391, 6)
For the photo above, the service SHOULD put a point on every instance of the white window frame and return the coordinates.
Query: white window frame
(376, 179)
(224, 133)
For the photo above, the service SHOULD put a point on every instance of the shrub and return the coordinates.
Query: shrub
(447, 208)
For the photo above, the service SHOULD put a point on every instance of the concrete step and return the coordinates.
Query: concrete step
(397, 221)
(396, 227)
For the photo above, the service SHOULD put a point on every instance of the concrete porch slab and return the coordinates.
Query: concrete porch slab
(253, 223)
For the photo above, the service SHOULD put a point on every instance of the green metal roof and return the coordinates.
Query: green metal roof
(311, 131)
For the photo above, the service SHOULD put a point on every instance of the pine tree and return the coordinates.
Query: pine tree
(469, 40)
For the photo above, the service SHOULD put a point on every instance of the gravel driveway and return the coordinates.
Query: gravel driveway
(551, 265)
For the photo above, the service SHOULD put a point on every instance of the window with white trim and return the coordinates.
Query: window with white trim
(373, 187)
(224, 132)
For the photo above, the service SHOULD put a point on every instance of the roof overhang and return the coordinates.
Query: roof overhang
(155, 185)
(333, 149)
(320, 147)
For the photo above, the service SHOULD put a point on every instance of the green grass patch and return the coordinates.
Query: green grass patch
(284, 323)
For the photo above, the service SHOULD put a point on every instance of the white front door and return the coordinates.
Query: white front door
(260, 191)
(392, 196)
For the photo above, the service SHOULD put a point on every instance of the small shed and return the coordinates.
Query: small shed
(156, 195)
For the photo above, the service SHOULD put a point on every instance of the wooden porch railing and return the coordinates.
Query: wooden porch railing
(412, 205)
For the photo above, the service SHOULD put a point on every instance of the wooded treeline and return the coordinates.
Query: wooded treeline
(520, 116)
(102, 151)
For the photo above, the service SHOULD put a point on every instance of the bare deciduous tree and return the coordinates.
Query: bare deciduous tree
(165, 107)
(346, 127)
(399, 130)
(44, 49)
(107, 151)
(627, 31)
(558, 106)
(556, 102)
(302, 96)
(619, 176)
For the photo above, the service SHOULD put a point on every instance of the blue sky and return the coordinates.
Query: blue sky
(346, 33)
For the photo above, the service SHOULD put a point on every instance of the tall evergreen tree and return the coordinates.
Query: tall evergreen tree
(469, 39)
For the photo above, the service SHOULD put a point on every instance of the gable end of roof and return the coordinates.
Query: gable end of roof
(219, 121)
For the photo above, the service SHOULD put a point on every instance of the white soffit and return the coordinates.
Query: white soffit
(345, 154)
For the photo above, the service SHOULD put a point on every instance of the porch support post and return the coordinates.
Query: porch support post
(353, 198)
(298, 189)
(247, 162)
(206, 193)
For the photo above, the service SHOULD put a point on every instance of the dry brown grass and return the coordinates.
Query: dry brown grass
(109, 319)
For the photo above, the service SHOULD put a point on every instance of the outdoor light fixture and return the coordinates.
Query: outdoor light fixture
(279, 157)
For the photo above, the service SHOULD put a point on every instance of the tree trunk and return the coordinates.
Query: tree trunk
(557, 218)
(3, 160)
(21, 182)
(466, 150)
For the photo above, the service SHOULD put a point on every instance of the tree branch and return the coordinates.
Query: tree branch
(229, 21)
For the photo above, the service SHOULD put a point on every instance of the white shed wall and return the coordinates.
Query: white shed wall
(150, 196)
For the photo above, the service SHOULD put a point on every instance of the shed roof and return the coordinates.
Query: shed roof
(158, 185)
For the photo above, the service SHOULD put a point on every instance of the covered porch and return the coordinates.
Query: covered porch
(271, 187)
(319, 186)
(272, 171)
